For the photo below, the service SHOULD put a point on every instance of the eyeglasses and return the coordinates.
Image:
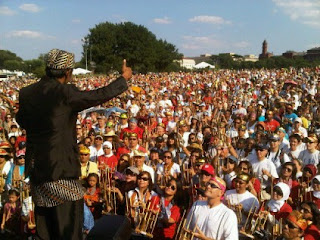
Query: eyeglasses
(290, 225)
(287, 169)
(212, 185)
(166, 157)
(143, 178)
(84, 154)
(172, 187)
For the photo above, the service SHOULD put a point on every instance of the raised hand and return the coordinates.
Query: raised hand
(126, 71)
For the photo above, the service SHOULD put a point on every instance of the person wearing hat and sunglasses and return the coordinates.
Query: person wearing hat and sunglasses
(96, 149)
(310, 155)
(294, 227)
(211, 219)
(48, 111)
(240, 197)
(263, 168)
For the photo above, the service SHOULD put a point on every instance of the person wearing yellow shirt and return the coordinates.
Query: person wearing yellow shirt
(86, 165)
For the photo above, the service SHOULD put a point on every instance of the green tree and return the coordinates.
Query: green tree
(110, 43)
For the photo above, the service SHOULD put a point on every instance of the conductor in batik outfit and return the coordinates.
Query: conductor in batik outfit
(48, 111)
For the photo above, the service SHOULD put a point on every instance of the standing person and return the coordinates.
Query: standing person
(211, 218)
(48, 111)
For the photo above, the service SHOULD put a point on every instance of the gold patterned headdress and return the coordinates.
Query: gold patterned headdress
(59, 59)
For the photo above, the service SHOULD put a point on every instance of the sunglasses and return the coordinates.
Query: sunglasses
(305, 210)
(205, 173)
(172, 187)
(212, 185)
(287, 169)
(21, 157)
(143, 178)
(290, 225)
(167, 157)
(130, 173)
(84, 154)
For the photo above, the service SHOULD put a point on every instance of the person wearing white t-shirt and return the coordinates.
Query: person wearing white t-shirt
(262, 167)
(240, 197)
(211, 219)
(310, 155)
(296, 146)
(276, 154)
(138, 159)
(167, 167)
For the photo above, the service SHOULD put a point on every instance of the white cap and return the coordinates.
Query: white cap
(298, 120)
(238, 103)
(107, 144)
(261, 103)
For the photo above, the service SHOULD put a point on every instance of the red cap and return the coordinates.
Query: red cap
(208, 168)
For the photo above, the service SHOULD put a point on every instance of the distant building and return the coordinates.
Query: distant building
(265, 53)
(187, 63)
(250, 58)
(289, 54)
(313, 54)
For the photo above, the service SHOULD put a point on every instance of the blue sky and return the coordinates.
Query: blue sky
(195, 27)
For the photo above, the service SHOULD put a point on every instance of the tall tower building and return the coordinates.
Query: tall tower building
(265, 53)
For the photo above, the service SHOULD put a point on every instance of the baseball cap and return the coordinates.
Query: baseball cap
(298, 120)
(208, 168)
(262, 146)
(133, 169)
(20, 153)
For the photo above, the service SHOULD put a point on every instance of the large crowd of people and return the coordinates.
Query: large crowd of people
(218, 155)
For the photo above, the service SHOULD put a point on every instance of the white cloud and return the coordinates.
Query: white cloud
(28, 34)
(30, 7)
(210, 19)
(75, 20)
(304, 11)
(211, 44)
(6, 11)
(164, 20)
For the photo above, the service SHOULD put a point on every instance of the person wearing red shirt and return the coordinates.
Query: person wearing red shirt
(311, 213)
(133, 145)
(133, 128)
(169, 211)
(107, 159)
(270, 123)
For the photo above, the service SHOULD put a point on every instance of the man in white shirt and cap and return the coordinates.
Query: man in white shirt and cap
(138, 159)
(211, 219)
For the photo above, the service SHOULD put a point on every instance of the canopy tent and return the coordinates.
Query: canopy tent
(78, 71)
(204, 65)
